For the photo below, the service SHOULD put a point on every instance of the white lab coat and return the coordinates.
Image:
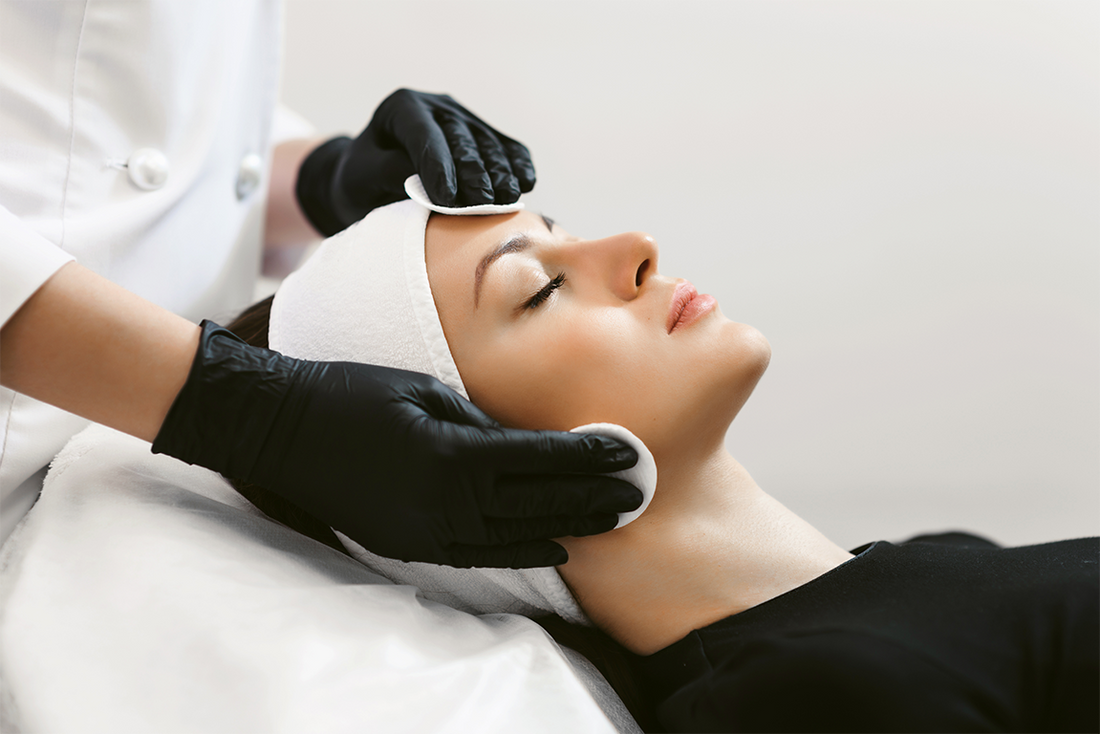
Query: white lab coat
(83, 85)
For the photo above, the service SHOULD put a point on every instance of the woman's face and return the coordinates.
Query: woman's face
(550, 331)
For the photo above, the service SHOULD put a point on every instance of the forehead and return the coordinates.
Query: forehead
(453, 247)
(447, 235)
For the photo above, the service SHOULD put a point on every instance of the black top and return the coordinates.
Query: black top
(942, 633)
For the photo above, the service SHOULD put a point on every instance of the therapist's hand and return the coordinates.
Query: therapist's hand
(395, 460)
(461, 160)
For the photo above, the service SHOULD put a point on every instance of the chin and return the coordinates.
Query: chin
(760, 349)
(697, 421)
(743, 362)
(741, 351)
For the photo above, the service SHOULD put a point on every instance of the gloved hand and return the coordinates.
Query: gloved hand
(395, 460)
(461, 160)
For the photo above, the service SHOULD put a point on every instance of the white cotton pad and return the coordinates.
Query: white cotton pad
(414, 187)
(642, 475)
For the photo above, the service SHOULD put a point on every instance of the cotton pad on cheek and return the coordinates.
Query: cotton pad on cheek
(642, 475)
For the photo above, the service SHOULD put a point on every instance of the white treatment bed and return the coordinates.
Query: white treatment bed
(141, 594)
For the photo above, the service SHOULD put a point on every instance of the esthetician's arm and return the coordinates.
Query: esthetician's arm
(97, 350)
(91, 347)
(396, 460)
(285, 225)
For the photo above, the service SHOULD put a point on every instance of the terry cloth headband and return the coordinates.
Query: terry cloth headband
(364, 297)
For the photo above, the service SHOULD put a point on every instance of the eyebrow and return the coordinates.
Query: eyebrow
(516, 243)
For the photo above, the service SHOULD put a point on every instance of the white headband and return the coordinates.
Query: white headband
(364, 295)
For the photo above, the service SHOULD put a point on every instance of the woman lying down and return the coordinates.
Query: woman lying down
(725, 610)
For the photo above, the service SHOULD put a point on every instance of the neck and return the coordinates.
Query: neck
(711, 544)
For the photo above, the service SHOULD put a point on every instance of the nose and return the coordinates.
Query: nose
(623, 261)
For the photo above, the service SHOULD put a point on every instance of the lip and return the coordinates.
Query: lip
(687, 306)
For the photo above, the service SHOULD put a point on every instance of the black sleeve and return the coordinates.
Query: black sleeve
(826, 682)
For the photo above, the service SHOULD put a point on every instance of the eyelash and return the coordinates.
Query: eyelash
(536, 300)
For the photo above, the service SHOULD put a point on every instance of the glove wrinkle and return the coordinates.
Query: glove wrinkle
(396, 460)
(217, 430)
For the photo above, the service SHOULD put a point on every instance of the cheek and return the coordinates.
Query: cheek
(572, 369)
(714, 385)
(605, 366)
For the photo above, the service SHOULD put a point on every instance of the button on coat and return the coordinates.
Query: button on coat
(249, 175)
(147, 168)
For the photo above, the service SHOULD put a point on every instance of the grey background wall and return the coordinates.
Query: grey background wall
(904, 197)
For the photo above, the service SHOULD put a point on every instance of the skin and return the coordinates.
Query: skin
(598, 349)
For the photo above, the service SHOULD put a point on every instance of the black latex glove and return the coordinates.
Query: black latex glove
(396, 460)
(461, 160)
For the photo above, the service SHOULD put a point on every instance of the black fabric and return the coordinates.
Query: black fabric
(941, 633)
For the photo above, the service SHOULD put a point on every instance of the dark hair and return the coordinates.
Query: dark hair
(609, 657)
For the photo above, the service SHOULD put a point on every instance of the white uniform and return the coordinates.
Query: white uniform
(134, 137)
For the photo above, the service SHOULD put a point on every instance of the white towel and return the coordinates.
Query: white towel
(364, 295)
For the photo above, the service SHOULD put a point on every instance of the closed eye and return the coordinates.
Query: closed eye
(540, 297)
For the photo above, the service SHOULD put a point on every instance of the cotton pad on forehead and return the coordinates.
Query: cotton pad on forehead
(642, 475)
(414, 187)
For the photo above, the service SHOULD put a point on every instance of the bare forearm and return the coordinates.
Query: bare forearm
(285, 224)
(91, 347)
